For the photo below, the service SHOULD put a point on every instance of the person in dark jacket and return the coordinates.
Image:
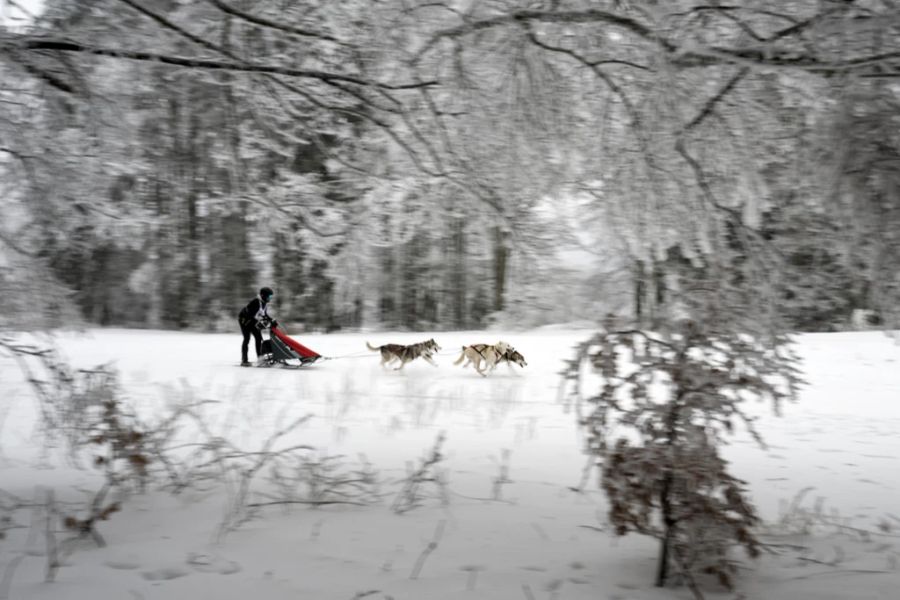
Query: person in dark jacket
(252, 319)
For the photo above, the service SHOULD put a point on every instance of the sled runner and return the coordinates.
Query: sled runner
(281, 349)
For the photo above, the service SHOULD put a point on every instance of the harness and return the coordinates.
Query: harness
(480, 348)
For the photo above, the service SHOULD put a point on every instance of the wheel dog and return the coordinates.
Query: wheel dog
(405, 354)
(490, 354)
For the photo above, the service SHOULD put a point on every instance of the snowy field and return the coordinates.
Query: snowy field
(534, 536)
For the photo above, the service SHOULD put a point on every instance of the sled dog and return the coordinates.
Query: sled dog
(513, 356)
(405, 354)
(490, 354)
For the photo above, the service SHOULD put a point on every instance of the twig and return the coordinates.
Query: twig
(33, 43)
(409, 498)
(13, 564)
(431, 547)
(585, 475)
(304, 502)
(237, 505)
(53, 561)
(279, 25)
(8, 572)
(841, 572)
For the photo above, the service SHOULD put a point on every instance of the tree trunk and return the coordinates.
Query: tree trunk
(386, 285)
(501, 256)
(659, 285)
(191, 285)
(407, 299)
(640, 292)
(458, 277)
(662, 566)
(665, 493)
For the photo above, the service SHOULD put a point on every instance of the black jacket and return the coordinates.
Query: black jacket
(254, 312)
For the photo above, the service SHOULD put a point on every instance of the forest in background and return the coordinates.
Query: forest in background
(419, 164)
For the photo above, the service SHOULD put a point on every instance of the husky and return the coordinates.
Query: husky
(513, 357)
(490, 354)
(405, 354)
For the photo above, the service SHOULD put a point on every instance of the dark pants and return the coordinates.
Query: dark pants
(249, 328)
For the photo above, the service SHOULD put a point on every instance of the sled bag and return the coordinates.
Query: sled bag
(294, 344)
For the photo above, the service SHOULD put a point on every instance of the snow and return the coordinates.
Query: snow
(538, 538)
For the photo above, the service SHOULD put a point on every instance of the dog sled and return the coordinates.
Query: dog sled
(281, 349)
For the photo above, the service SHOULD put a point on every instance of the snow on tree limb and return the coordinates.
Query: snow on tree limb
(32, 43)
(688, 54)
(257, 20)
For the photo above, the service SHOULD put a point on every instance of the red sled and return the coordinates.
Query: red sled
(282, 349)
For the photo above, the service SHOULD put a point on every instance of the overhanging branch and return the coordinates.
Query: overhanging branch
(166, 23)
(30, 43)
(263, 22)
(42, 74)
(686, 55)
(710, 104)
(524, 16)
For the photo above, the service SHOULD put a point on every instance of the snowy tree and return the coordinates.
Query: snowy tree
(666, 403)
(218, 124)
(684, 111)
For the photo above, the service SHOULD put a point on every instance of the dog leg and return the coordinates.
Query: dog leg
(478, 368)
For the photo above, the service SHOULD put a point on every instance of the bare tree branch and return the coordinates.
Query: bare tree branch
(800, 26)
(687, 55)
(263, 22)
(342, 85)
(728, 9)
(517, 17)
(42, 74)
(711, 103)
(180, 30)
(36, 43)
(594, 66)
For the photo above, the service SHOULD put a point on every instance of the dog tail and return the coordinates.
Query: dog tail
(372, 348)
(461, 356)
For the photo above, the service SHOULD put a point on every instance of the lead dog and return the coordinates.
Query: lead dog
(490, 354)
(405, 354)
(513, 356)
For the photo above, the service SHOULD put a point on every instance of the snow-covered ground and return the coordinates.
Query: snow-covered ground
(535, 536)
